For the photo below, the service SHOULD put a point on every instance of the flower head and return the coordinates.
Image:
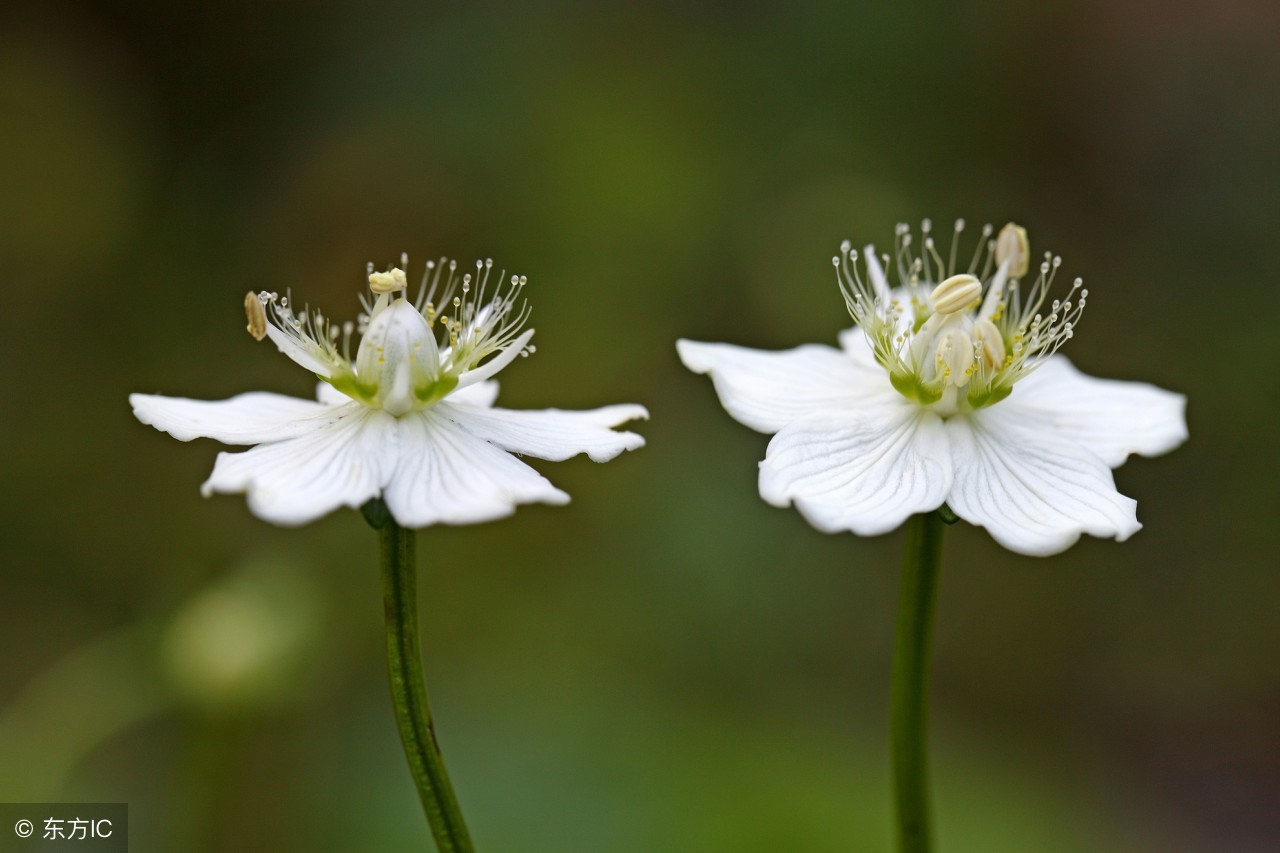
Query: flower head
(411, 354)
(950, 389)
(958, 341)
(408, 416)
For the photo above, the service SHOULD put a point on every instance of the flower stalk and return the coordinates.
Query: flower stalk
(908, 719)
(408, 689)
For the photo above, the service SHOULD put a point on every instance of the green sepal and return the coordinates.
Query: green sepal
(376, 513)
(947, 515)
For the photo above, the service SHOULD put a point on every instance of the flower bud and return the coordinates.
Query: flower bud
(1012, 245)
(955, 294)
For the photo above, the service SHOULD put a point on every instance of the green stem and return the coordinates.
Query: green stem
(910, 689)
(409, 692)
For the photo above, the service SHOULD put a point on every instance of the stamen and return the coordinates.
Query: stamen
(257, 315)
(977, 250)
(1013, 246)
(955, 294)
(388, 282)
(955, 241)
(978, 332)
(943, 269)
(869, 310)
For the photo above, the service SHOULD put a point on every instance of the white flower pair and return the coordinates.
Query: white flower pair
(917, 409)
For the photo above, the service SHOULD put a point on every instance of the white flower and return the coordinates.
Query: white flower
(410, 419)
(948, 391)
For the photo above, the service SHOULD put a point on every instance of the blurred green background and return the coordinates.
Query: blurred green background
(667, 664)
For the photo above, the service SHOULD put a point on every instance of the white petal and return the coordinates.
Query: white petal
(766, 390)
(1111, 418)
(551, 433)
(448, 476)
(865, 471)
(483, 394)
(329, 395)
(499, 361)
(244, 419)
(1034, 492)
(344, 463)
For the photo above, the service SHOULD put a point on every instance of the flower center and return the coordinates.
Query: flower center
(411, 354)
(958, 341)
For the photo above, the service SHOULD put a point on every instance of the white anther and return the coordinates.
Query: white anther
(990, 343)
(955, 294)
(1012, 245)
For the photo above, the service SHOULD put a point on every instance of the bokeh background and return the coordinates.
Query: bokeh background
(667, 664)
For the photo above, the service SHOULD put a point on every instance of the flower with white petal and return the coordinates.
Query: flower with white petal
(950, 390)
(410, 418)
